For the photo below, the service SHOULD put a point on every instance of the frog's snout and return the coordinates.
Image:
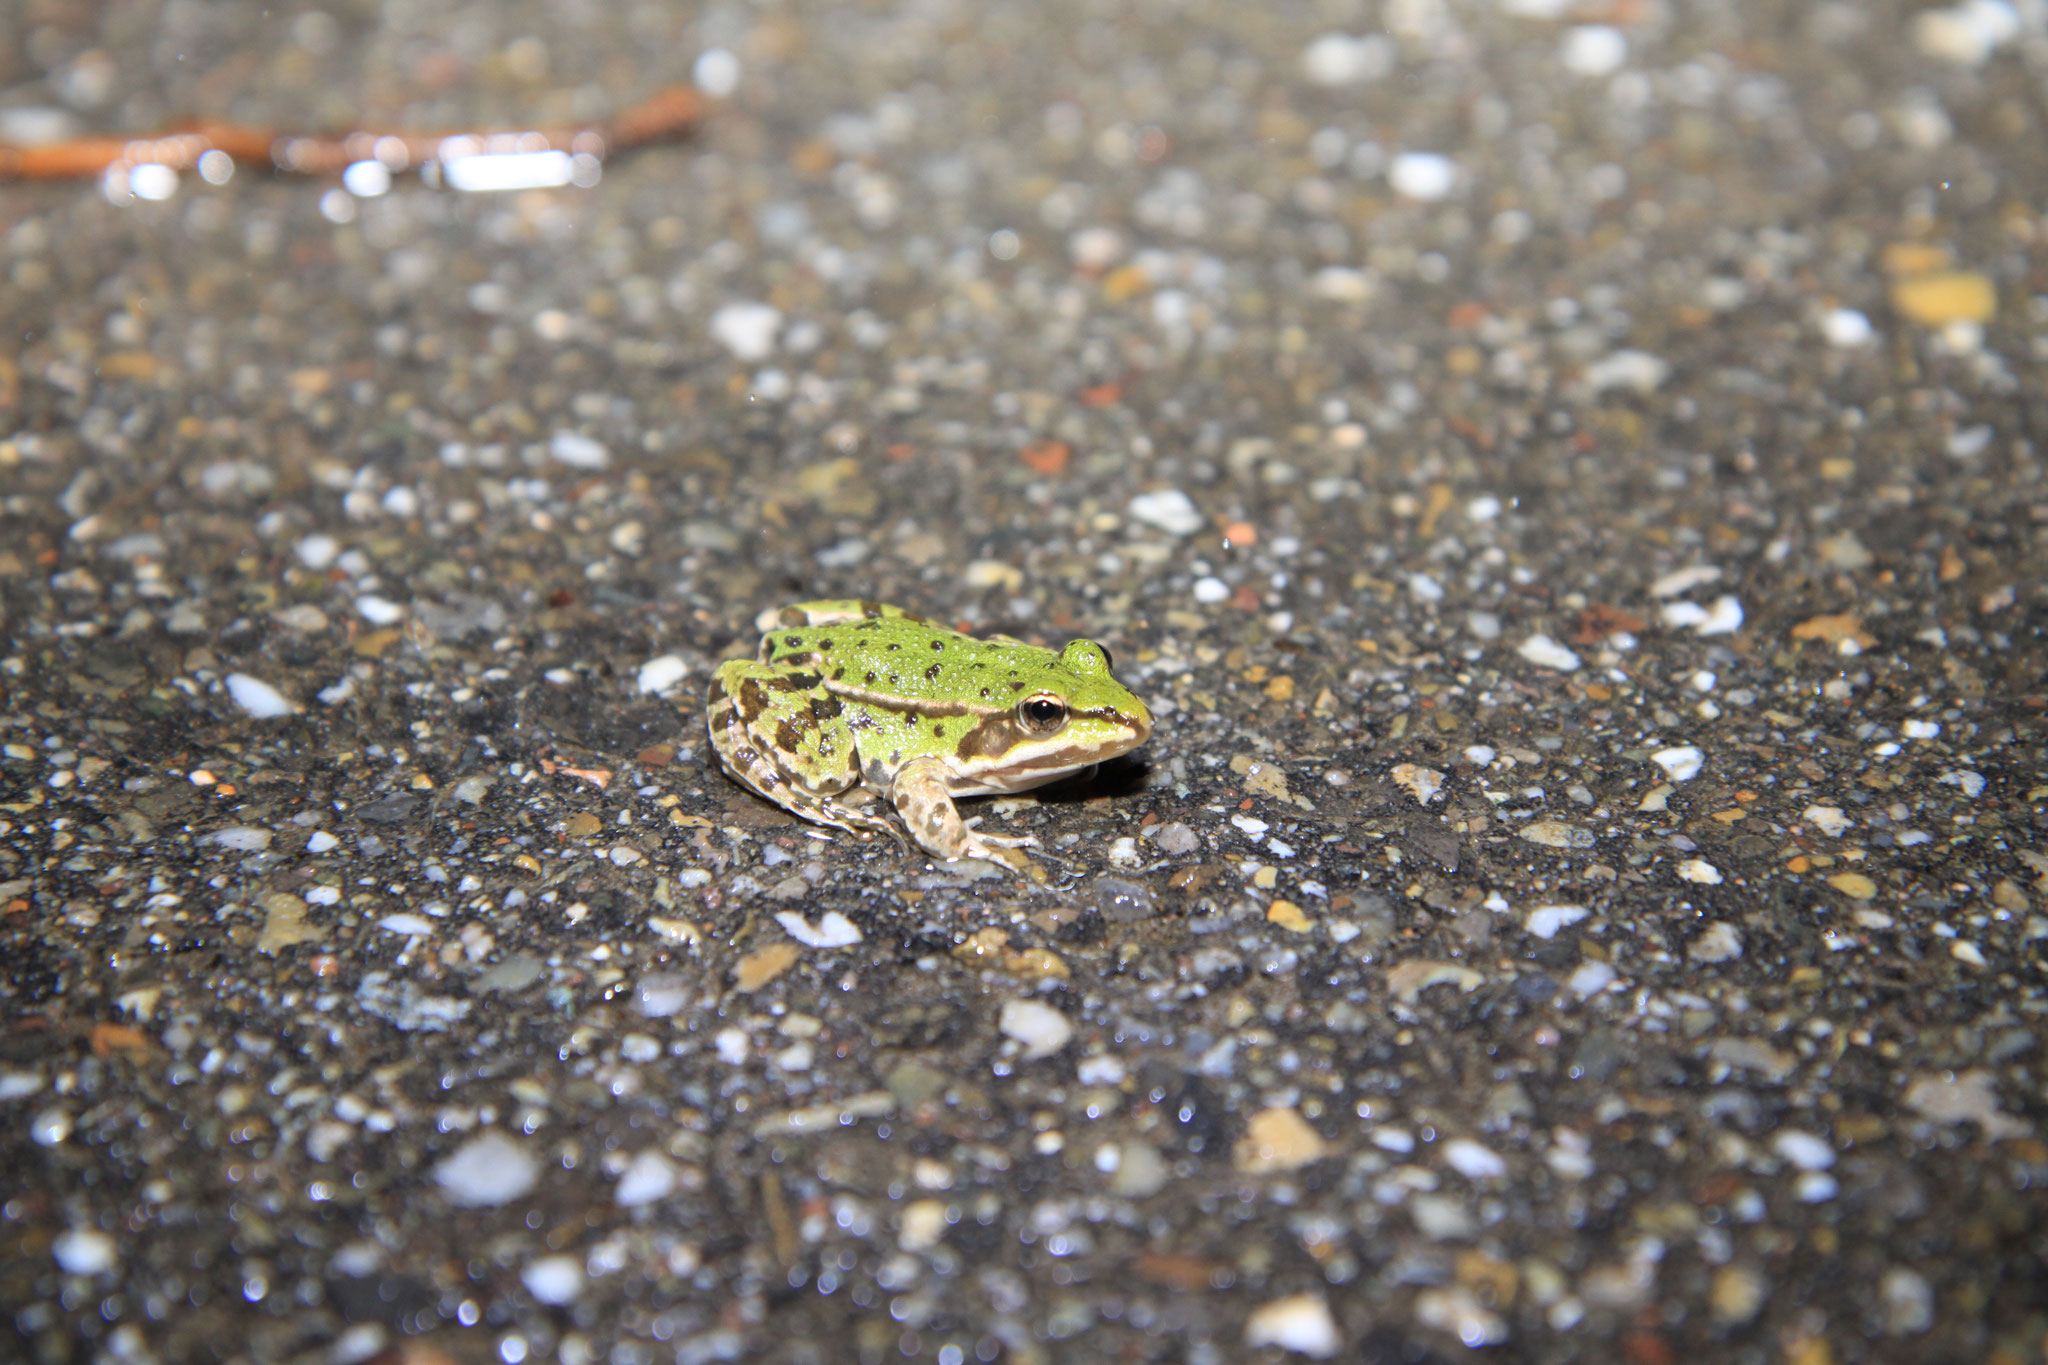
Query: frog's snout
(1141, 724)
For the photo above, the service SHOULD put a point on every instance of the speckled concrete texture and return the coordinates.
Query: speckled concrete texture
(1566, 478)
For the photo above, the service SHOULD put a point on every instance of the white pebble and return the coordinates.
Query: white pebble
(554, 1280)
(1701, 871)
(1591, 979)
(1804, 1150)
(1425, 588)
(716, 72)
(241, 838)
(379, 611)
(1680, 764)
(1638, 371)
(1423, 175)
(648, 1177)
(85, 1251)
(578, 451)
(1829, 820)
(1684, 580)
(1300, 1323)
(661, 995)
(1846, 328)
(1473, 1161)
(1042, 1029)
(1170, 510)
(1593, 49)
(320, 841)
(1815, 1188)
(413, 926)
(1921, 729)
(1095, 248)
(316, 551)
(833, 931)
(1971, 784)
(661, 673)
(15, 1085)
(1340, 59)
(488, 1170)
(1720, 943)
(1681, 615)
(1341, 284)
(1210, 590)
(746, 329)
(258, 697)
(1545, 652)
(1545, 920)
(1723, 618)
(1966, 34)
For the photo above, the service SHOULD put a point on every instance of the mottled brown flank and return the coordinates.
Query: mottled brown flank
(788, 737)
(825, 707)
(753, 698)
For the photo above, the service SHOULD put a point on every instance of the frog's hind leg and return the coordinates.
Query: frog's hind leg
(924, 799)
(753, 710)
(840, 612)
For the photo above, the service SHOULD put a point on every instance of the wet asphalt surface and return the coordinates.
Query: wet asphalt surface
(1566, 479)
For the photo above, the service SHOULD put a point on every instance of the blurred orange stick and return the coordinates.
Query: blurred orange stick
(669, 113)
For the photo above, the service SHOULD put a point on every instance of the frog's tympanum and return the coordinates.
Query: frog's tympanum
(852, 703)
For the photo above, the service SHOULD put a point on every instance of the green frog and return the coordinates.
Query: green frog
(852, 703)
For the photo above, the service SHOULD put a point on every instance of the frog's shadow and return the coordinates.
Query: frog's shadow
(1121, 776)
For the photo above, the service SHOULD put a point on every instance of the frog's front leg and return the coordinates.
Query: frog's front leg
(783, 741)
(922, 797)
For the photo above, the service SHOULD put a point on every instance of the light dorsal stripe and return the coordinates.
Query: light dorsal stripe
(910, 706)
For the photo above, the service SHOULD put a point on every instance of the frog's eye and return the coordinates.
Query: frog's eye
(1042, 714)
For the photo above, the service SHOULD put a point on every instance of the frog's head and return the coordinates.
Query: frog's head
(1071, 713)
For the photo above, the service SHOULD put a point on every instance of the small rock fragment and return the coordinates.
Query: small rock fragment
(1545, 652)
(1421, 783)
(1042, 1029)
(1408, 980)
(1720, 943)
(488, 1170)
(1170, 510)
(1300, 1323)
(1277, 1140)
(649, 1177)
(1546, 920)
(1557, 834)
(763, 965)
(1680, 764)
(258, 697)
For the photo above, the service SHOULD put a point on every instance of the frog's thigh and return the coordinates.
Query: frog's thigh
(761, 720)
(839, 613)
(921, 797)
